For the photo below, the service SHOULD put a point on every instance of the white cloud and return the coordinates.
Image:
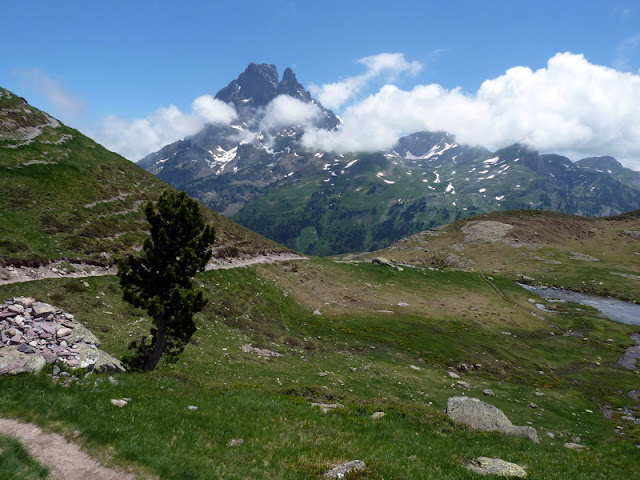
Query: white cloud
(569, 106)
(284, 111)
(136, 138)
(334, 95)
(63, 103)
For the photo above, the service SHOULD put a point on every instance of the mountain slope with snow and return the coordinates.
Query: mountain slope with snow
(258, 172)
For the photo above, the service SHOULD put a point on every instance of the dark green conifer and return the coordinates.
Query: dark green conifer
(160, 278)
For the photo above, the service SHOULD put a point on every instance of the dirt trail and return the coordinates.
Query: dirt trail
(65, 460)
(80, 270)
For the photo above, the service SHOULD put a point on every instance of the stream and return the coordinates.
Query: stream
(616, 310)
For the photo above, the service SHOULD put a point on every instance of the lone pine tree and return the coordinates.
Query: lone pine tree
(160, 279)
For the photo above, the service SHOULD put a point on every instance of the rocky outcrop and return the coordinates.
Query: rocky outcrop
(482, 416)
(34, 334)
(631, 354)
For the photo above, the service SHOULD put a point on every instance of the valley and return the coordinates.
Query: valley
(300, 365)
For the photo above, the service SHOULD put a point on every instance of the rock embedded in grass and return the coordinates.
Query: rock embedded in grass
(326, 407)
(574, 446)
(341, 471)
(482, 416)
(496, 466)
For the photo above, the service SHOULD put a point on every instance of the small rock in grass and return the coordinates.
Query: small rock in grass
(414, 367)
(377, 415)
(488, 392)
(574, 446)
(342, 470)
(496, 466)
(327, 406)
(539, 394)
(120, 402)
(532, 405)
(192, 408)
(234, 442)
(453, 374)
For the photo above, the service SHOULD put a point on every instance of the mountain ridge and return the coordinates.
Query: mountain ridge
(269, 182)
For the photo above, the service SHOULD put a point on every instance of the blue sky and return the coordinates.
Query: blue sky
(85, 62)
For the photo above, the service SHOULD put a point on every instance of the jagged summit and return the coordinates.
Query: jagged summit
(260, 83)
(255, 87)
(258, 136)
(290, 86)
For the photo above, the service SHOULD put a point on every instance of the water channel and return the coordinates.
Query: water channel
(616, 310)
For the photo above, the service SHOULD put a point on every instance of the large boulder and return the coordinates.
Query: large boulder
(482, 416)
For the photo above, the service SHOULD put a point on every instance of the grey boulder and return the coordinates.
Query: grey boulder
(482, 416)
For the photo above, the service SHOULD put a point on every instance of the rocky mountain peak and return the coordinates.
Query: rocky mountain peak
(290, 86)
(255, 87)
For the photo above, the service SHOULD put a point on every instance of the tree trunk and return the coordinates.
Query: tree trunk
(151, 360)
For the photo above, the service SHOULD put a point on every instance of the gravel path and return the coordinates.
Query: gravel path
(65, 460)
(80, 270)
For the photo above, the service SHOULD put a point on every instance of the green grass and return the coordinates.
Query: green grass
(266, 402)
(16, 463)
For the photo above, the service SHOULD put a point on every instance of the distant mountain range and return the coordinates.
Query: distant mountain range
(324, 203)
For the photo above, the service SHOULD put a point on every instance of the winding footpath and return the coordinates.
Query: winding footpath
(65, 460)
(82, 270)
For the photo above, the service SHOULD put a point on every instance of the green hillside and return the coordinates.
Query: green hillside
(385, 341)
(63, 196)
(600, 256)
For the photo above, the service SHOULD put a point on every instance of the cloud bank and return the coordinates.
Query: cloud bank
(284, 111)
(136, 138)
(571, 106)
(334, 95)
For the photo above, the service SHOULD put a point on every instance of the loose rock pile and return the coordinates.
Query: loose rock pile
(34, 334)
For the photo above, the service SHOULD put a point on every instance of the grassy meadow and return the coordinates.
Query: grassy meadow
(380, 340)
